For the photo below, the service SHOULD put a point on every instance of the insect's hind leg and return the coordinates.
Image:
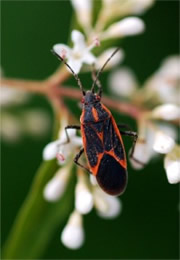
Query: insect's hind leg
(70, 127)
(77, 158)
(125, 126)
(135, 137)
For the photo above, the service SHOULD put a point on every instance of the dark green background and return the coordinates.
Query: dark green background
(148, 225)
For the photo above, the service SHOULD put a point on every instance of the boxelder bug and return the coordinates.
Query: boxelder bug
(102, 142)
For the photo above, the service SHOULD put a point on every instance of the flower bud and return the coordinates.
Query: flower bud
(163, 143)
(125, 27)
(73, 234)
(55, 188)
(166, 112)
(172, 165)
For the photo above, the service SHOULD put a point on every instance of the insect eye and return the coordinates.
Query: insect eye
(98, 98)
(82, 100)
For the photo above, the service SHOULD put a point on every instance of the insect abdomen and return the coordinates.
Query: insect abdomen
(111, 176)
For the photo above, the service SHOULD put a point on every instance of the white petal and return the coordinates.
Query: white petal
(170, 67)
(166, 112)
(11, 96)
(139, 6)
(88, 58)
(77, 141)
(73, 234)
(113, 62)
(122, 82)
(127, 26)
(83, 199)
(11, 127)
(163, 143)
(142, 154)
(50, 150)
(37, 122)
(83, 11)
(62, 49)
(75, 64)
(55, 188)
(107, 206)
(78, 40)
(93, 180)
(172, 165)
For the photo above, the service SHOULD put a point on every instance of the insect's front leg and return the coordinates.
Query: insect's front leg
(76, 159)
(134, 136)
(70, 127)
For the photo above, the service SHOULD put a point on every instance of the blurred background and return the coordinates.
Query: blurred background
(148, 227)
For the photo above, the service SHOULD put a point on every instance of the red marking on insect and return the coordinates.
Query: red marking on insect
(102, 142)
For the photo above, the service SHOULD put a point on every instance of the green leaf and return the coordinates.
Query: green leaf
(38, 219)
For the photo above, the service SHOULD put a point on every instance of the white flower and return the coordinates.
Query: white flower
(73, 234)
(83, 11)
(166, 112)
(55, 188)
(163, 143)
(36, 122)
(113, 62)
(107, 206)
(61, 149)
(121, 8)
(122, 82)
(10, 128)
(142, 154)
(164, 82)
(172, 165)
(125, 27)
(139, 6)
(11, 96)
(83, 196)
(79, 54)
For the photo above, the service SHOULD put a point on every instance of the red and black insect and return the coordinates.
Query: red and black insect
(102, 141)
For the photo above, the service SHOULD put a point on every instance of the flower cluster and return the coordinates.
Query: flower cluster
(156, 132)
(111, 23)
(82, 46)
(31, 122)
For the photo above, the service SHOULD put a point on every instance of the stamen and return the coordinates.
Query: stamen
(60, 157)
(63, 54)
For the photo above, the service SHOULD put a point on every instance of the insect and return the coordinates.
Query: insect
(102, 141)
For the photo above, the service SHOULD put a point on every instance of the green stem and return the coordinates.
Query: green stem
(37, 219)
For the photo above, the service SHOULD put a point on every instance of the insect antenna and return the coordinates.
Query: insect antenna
(74, 74)
(100, 71)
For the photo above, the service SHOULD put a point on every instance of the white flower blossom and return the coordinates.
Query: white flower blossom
(36, 122)
(125, 27)
(55, 188)
(172, 165)
(61, 148)
(79, 54)
(164, 84)
(11, 96)
(106, 54)
(83, 197)
(166, 112)
(73, 234)
(122, 82)
(83, 11)
(163, 143)
(107, 206)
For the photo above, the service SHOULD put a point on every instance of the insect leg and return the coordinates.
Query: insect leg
(134, 136)
(77, 158)
(70, 127)
(125, 126)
